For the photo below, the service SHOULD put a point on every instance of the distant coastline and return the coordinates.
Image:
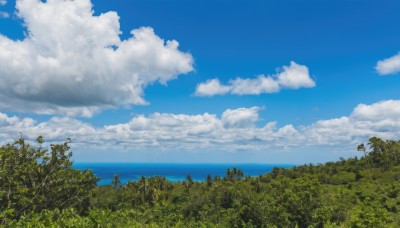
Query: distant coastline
(173, 172)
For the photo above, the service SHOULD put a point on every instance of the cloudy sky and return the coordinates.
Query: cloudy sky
(201, 81)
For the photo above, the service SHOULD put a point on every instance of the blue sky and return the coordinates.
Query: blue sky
(346, 53)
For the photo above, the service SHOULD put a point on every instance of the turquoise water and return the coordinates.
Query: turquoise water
(173, 172)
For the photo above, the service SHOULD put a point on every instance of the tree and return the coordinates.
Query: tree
(143, 185)
(35, 179)
(208, 181)
(234, 174)
(116, 182)
(361, 147)
(188, 182)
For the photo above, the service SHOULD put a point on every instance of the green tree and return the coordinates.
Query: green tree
(35, 178)
(208, 181)
(116, 182)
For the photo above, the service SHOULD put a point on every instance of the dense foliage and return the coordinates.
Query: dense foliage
(36, 179)
(38, 188)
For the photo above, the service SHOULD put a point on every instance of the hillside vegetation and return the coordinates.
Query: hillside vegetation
(38, 188)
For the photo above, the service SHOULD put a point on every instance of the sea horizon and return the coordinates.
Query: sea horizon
(174, 172)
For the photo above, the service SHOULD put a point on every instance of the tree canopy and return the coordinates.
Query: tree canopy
(34, 178)
(38, 187)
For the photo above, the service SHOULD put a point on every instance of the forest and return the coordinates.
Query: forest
(38, 188)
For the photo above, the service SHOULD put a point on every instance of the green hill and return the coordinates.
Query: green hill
(38, 187)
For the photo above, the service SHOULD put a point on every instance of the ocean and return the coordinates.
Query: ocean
(172, 171)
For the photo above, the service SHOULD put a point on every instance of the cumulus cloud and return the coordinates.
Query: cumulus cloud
(240, 118)
(75, 63)
(389, 66)
(294, 76)
(389, 110)
(235, 129)
(211, 87)
(261, 84)
(380, 119)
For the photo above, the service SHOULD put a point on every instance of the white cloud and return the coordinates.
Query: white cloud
(211, 87)
(240, 118)
(383, 117)
(261, 84)
(294, 76)
(389, 66)
(234, 130)
(73, 62)
(384, 110)
(380, 119)
(3, 2)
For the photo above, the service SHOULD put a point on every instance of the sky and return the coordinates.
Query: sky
(201, 81)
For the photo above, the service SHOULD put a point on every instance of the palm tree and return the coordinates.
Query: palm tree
(228, 175)
(361, 147)
(208, 181)
(189, 180)
(217, 179)
(116, 182)
(143, 185)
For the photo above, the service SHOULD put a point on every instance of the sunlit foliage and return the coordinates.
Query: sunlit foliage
(38, 187)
